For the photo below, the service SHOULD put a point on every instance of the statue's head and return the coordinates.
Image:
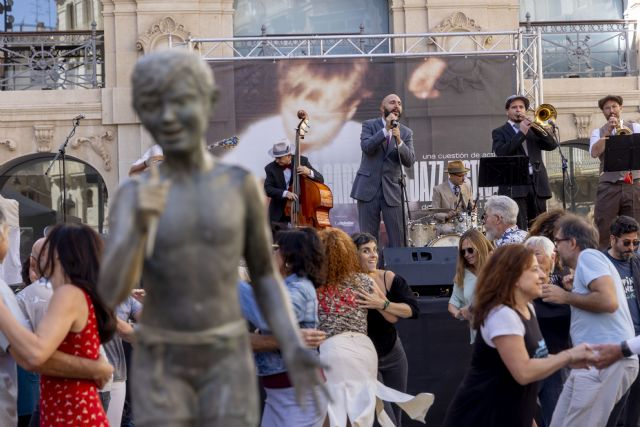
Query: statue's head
(174, 94)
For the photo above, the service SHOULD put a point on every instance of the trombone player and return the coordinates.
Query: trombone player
(618, 192)
(519, 136)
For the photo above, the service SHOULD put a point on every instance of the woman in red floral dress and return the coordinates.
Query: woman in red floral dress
(75, 323)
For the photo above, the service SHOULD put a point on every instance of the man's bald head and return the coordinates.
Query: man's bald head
(36, 249)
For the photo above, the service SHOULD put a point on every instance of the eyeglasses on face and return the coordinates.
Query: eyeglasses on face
(626, 242)
(557, 240)
(469, 251)
(459, 175)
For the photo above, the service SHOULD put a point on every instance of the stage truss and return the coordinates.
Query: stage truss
(522, 46)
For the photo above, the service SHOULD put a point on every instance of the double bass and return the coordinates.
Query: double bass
(314, 198)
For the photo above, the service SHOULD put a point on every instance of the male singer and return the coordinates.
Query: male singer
(385, 144)
(516, 138)
(618, 192)
(455, 193)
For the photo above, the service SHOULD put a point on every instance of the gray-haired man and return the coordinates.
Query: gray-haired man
(599, 314)
(500, 217)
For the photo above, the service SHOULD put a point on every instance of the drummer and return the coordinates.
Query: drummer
(454, 193)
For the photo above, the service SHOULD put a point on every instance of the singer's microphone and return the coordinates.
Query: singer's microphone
(79, 117)
(394, 123)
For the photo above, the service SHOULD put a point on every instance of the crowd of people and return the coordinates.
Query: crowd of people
(552, 313)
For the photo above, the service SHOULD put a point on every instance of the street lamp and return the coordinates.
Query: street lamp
(5, 7)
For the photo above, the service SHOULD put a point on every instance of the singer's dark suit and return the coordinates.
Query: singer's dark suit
(531, 198)
(275, 186)
(377, 183)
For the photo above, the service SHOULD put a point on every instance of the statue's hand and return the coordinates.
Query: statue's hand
(303, 367)
(152, 194)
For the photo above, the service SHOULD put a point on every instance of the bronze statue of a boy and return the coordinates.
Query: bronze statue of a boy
(192, 361)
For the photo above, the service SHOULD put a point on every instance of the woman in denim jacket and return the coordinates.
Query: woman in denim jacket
(300, 258)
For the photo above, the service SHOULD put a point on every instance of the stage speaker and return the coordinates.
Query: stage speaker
(428, 270)
(438, 353)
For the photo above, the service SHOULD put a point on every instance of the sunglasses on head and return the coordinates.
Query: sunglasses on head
(469, 251)
(627, 243)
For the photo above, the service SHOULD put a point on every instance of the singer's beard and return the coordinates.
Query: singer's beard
(387, 112)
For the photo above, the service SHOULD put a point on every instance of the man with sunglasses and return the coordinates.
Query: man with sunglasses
(623, 240)
(599, 314)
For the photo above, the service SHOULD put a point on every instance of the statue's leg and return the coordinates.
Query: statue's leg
(210, 384)
(161, 395)
(229, 396)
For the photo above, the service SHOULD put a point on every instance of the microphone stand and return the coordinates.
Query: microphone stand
(565, 166)
(61, 155)
(403, 196)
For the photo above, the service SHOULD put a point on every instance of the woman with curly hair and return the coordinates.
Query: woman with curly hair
(473, 252)
(299, 256)
(510, 356)
(348, 352)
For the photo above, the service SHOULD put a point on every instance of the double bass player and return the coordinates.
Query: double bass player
(277, 183)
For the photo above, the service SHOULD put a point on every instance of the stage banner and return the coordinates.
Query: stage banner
(451, 104)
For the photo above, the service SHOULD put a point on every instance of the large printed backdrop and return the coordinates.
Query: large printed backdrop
(451, 104)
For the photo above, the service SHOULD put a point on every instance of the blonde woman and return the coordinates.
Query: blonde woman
(473, 252)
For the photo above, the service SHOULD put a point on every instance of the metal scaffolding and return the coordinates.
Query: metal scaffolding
(523, 46)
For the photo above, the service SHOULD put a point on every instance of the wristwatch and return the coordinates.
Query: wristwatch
(624, 348)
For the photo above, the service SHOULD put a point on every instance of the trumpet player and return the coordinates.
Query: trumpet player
(618, 192)
(517, 137)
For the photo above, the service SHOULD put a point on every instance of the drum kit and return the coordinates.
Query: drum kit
(427, 231)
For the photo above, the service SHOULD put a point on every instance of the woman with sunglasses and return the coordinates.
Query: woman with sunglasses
(473, 252)
(393, 297)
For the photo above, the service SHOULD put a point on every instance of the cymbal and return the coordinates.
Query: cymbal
(435, 210)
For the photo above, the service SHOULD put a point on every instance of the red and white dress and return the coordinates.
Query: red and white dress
(72, 402)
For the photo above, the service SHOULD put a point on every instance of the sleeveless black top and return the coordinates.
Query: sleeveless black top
(488, 394)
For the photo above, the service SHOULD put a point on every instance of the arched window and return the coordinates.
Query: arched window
(310, 17)
(41, 197)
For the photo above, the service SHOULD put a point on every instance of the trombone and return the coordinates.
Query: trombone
(543, 119)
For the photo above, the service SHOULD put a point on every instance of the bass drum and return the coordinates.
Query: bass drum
(421, 234)
(445, 240)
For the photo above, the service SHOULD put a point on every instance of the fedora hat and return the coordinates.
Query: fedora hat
(280, 149)
(456, 166)
(512, 98)
(615, 98)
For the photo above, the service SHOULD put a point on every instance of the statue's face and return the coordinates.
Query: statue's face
(176, 116)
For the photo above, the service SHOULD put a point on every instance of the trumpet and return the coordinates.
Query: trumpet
(621, 129)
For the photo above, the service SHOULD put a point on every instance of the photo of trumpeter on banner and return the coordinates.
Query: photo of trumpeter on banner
(450, 104)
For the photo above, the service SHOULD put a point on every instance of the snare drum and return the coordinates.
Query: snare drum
(421, 234)
(445, 240)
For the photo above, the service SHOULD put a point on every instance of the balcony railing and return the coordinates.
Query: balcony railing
(51, 60)
(586, 48)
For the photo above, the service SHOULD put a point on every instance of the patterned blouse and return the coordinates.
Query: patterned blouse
(338, 309)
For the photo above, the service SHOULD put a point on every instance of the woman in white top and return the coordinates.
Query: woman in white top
(473, 252)
(510, 355)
